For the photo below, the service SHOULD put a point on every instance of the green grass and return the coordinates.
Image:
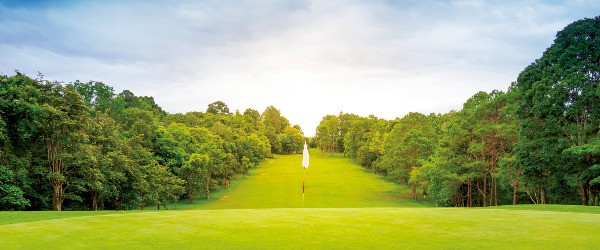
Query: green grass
(27, 216)
(555, 208)
(339, 228)
(344, 208)
(329, 182)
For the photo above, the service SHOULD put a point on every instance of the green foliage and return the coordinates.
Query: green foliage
(282, 137)
(328, 133)
(410, 143)
(558, 109)
(81, 146)
(218, 108)
(96, 95)
(291, 140)
(11, 196)
(453, 157)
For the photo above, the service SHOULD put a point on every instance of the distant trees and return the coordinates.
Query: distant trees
(406, 147)
(327, 133)
(456, 158)
(283, 138)
(536, 143)
(81, 146)
(218, 108)
(475, 140)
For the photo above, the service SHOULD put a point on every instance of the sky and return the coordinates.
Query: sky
(306, 58)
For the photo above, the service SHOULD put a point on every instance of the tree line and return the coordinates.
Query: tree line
(81, 146)
(537, 143)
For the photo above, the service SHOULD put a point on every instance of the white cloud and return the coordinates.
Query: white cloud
(307, 58)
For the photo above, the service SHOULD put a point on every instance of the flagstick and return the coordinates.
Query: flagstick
(303, 178)
(305, 159)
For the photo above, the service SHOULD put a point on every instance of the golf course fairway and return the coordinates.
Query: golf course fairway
(343, 208)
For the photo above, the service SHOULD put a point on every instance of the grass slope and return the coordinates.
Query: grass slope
(344, 208)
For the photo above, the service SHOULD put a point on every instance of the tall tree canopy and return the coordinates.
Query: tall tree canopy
(81, 146)
(559, 110)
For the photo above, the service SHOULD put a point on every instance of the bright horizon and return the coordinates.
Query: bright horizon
(306, 58)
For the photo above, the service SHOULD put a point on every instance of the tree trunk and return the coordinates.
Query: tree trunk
(414, 191)
(56, 168)
(515, 192)
(57, 191)
(491, 195)
(485, 194)
(469, 194)
(535, 201)
(95, 201)
(584, 192)
(543, 195)
(208, 186)
(190, 192)
(495, 192)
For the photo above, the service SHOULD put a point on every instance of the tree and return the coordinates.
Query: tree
(291, 140)
(171, 152)
(96, 95)
(411, 141)
(64, 117)
(246, 164)
(558, 109)
(21, 146)
(218, 108)
(11, 195)
(126, 99)
(590, 176)
(103, 170)
(363, 140)
(328, 133)
(142, 123)
(275, 124)
(345, 125)
(167, 186)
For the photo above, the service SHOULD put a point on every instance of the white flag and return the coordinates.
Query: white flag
(305, 156)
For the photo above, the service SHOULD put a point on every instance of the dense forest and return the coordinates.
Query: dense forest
(81, 146)
(538, 142)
